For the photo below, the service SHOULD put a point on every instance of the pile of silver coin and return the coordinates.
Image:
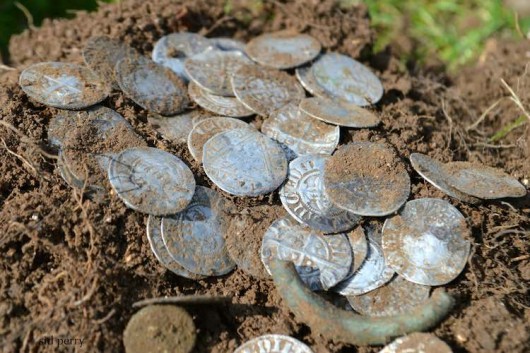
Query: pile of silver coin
(304, 98)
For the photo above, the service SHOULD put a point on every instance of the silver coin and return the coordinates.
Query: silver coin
(342, 114)
(244, 162)
(347, 79)
(305, 76)
(152, 86)
(227, 44)
(482, 181)
(265, 90)
(63, 85)
(151, 181)
(301, 133)
(359, 246)
(171, 50)
(58, 126)
(212, 70)
(417, 342)
(273, 344)
(425, 242)
(310, 251)
(208, 128)
(434, 172)
(283, 50)
(397, 297)
(303, 197)
(367, 179)
(195, 237)
(227, 106)
(154, 235)
(175, 128)
(67, 175)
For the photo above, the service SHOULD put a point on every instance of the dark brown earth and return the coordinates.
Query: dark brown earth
(72, 267)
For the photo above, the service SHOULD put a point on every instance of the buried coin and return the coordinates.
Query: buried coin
(154, 235)
(347, 79)
(304, 198)
(283, 50)
(273, 344)
(342, 114)
(265, 90)
(434, 172)
(151, 181)
(63, 85)
(301, 133)
(227, 106)
(417, 342)
(396, 297)
(426, 242)
(359, 246)
(195, 237)
(367, 179)
(212, 70)
(322, 261)
(208, 128)
(244, 162)
(227, 44)
(305, 76)
(152, 86)
(482, 181)
(175, 128)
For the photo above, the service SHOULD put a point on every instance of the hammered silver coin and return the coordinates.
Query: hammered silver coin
(206, 129)
(227, 44)
(321, 260)
(303, 197)
(175, 128)
(154, 235)
(63, 85)
(195, 237)
(151, 181)
(367, 179)
(434, 172)
(244, 162)
(342, 114)
(283, 50)
(347, 79)
(426, 242)
(301, 133)
(482, 181)
(359, 246)
(273, 344)
(212, 70)
(265, 90)
(417, 342)
(305, 76)
(152, 86)
(398, 296)
(227, 106)
(67, 174)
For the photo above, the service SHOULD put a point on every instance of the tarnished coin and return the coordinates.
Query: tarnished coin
(425, 242)
(67, 175)
(154, 235)
(417, 342)
(227, 44)
(228, 106)
(63, 85)
(208, 128)
(273, 344)
(195, 237)
(171, 50)
(359, 246)
(265, 90)
(160, 329)
(367, 179)
(301, 133)
(151, 181)
(482, 181)
(212, 70)
(175, 128)
(283, 50)
(347, 79)
(398, 296)
(434, 172)
(321, 260)
(336, 113)
(304, 198)
(152, 86)
(244, 162)
(373, 273)
(305, 76)
(101, 54)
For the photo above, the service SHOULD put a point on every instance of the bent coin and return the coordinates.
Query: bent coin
(227, 106)
(342, 114)
(273, 344)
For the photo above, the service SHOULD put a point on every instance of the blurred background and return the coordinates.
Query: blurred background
(451, 31)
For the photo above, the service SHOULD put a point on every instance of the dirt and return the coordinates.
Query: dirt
(73, 267)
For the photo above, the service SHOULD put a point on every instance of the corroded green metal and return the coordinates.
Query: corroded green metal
(344, 326)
